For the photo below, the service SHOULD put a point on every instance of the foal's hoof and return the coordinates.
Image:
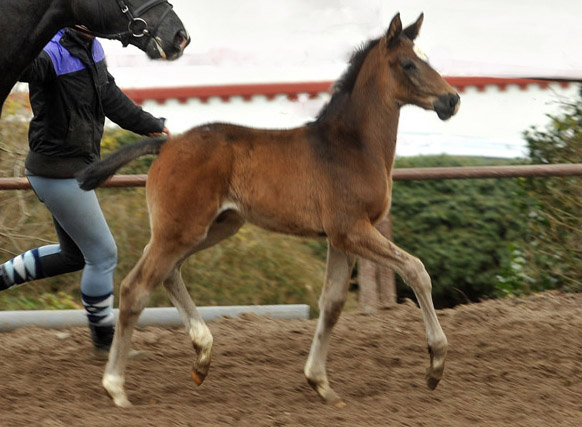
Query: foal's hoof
(432, 382)
(433, 377)
(198, 378)
(327, 394)
(114, 388)
(331, 398)
(121, 402)
(434, 373)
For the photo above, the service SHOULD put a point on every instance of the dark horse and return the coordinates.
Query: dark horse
(332, 178)
(28, 25)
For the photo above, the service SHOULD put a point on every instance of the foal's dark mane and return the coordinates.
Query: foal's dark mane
(343, 87)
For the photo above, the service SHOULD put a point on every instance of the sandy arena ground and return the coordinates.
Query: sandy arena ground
(515, 362)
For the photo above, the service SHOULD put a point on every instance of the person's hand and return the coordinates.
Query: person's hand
(165, 131)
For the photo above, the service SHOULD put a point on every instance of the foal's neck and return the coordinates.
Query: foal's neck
(379, 133)
(376, 123)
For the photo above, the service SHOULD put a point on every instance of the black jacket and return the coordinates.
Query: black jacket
(71, 93)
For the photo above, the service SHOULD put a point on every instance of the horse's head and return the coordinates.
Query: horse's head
(410, 78)
(151, 25)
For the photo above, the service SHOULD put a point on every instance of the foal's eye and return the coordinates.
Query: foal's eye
(408, 66)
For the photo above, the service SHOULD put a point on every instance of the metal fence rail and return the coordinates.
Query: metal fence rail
(399, 174)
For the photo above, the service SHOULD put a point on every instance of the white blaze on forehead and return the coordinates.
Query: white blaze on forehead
(420, 53)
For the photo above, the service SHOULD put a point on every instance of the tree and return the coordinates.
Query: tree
(552, 246)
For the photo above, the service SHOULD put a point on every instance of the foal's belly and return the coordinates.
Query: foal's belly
(286, 219)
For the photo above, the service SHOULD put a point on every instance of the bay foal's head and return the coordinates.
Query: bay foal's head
(401, 74)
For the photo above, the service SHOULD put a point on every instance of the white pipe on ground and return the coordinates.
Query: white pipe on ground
(158, 316)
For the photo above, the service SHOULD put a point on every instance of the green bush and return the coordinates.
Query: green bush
(460, 229)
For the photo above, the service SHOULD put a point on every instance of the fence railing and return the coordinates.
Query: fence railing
(399, 174)
(377, 288)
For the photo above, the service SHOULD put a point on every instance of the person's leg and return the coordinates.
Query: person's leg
(45, 261)
(80, 216)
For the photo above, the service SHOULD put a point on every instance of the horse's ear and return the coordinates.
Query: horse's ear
(394, 31)
(412, 31)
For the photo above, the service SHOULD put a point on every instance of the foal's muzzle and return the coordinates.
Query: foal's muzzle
(447, 105)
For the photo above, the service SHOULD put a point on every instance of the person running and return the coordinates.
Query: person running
(71, 94)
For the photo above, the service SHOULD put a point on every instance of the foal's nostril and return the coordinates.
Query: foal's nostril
(453, 100)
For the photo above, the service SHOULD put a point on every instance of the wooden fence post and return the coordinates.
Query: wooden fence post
(376, 283)
(386, 279)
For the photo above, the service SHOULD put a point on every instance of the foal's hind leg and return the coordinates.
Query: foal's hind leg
(136, 288)
(227, 225)
(366, 241)
(331, 302)
(195, 325)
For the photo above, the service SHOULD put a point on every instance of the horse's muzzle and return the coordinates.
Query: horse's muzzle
(181, 40)
(157, 49)
(447, 105)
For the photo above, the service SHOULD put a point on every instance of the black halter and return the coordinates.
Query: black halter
(137, 27)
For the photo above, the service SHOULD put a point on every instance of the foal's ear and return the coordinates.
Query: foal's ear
(394, 31)
(412, 31)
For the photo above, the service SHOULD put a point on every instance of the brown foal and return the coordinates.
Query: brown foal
(331, 178)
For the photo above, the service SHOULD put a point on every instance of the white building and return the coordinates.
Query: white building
(493, 114)
(495, 52)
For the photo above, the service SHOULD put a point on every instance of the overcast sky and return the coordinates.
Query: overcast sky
(236, 41)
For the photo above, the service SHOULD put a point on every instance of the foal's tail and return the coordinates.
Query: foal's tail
(94, 175)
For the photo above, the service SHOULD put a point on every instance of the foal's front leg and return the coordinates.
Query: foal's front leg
(367, 242)
(331, 302)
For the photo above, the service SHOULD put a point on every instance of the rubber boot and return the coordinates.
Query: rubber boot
(102, 337)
